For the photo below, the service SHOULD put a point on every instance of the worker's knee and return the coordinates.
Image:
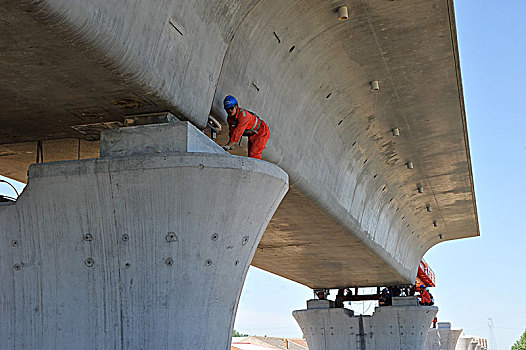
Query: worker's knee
(257, 145)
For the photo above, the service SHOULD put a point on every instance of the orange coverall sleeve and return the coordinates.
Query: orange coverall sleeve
(242, 125)
(425, 297)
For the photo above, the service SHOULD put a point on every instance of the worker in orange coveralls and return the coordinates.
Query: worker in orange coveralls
(245, 123)
(425, 298)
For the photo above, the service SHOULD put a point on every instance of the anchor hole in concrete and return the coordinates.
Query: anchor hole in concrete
(397, 209)
(169, 261)
(390, 200)
(214, 237)
(201, 166)
(14, 243)
(329, 95)
(89, 262)
(17, 267)
(341, 121)
(125, 237)
(383, 189)
(127, 265)
(354, 143)
(292, 48)
(236, 262)
(245, 240)
(375, 175)
(171, 237)
(403, 217)
(208, 262)
(365, 161)
(87, 237)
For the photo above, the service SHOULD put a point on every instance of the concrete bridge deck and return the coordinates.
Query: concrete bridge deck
(354, 215)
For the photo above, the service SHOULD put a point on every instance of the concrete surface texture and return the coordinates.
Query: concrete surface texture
(148, 251)
(399, 327)
(72, 64)
(442, 337)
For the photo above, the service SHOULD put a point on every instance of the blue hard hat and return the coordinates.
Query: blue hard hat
(229, 102)
(422, 286)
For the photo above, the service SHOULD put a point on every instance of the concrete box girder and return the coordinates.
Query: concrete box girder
(303, 72)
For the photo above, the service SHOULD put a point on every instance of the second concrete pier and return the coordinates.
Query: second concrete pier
(403, 326)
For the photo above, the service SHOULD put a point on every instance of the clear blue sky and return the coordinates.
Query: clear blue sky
(479, 277)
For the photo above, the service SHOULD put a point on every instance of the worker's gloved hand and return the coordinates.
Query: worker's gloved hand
(227, 148)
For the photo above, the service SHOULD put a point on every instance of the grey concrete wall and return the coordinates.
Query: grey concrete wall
(401, 327)
(142, 252)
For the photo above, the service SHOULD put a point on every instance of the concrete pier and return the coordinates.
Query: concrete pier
(468, 342)
(146, 247)
(402, 326)
(464, 343)
(442, 337)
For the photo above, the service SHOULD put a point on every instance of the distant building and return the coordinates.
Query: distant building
(266, 343)
(471, 342)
